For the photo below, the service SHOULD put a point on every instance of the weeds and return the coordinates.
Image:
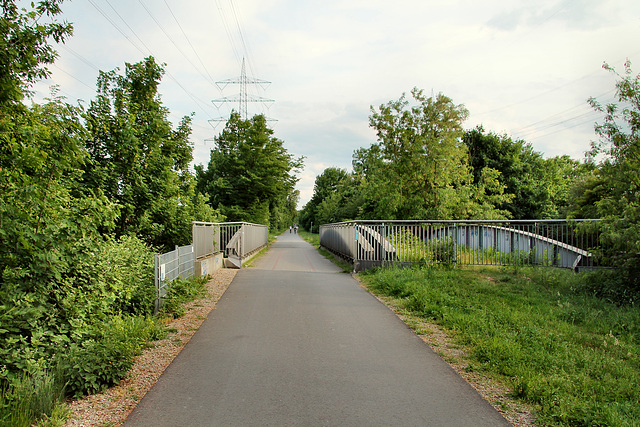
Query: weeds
(572, 355)
(181, 292)
(32, 398)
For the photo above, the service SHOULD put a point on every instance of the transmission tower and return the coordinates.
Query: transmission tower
(243, 98)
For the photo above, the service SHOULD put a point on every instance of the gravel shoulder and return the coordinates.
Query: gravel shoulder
(112, 407)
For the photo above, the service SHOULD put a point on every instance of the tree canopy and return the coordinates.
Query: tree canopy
(617, 183)
(250, 175)
(139, 160)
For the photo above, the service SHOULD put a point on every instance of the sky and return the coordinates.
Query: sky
(524, 68)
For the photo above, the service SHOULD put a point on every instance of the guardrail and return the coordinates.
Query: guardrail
(557, 243)
(238, 240)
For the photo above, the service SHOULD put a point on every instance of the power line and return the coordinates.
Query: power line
(200, 103)
(116, 26)
(189, 41)
(171, 39)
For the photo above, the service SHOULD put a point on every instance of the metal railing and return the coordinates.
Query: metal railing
(171, 265)
(237, 240)
(557, 243)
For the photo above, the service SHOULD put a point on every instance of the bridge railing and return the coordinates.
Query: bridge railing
(558, 243)
(237, 240)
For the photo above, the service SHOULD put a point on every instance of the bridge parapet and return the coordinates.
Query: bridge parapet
(558, 243)
(237, 240)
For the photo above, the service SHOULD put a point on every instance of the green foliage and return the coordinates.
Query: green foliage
(120, 271)
(105, 279)
(71, 295)
(250, 174)
(181, 292)
(418, 168)
(539, 188)
(411, 249)
(575, 357)
(139, 160)
(30, 398)
(619, 176)
(24, 46)
(101, 357)
(326, 193)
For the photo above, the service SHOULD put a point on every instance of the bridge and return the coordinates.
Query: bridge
(294, 341)
(556, 243)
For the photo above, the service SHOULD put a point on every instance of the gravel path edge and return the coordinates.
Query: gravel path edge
(113, 406)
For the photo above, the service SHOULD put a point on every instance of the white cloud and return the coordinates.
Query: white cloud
(520, 67)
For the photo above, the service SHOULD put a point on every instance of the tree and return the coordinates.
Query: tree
(25, 51)
(250, 174)
(520, 167)
(561, 174)
(619, 171)
(326, 184)
(418, 169)
(139, 160)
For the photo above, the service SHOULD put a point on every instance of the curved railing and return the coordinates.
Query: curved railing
(557, 243)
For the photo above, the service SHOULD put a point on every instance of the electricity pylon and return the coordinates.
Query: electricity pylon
(243, 98)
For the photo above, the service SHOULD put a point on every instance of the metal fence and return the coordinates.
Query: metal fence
(171, 265)
(237, 240)
(557, 243)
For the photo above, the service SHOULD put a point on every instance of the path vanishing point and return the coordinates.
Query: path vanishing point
(295, 342)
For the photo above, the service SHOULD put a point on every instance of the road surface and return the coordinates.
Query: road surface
(295, 342)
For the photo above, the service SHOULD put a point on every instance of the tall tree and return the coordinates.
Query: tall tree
(419, 168)
(520, 167)
(25, 49)
(326, 184)
(139, 160)
(619, 170)
(250, 175)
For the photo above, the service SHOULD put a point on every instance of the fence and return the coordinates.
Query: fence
(558, 243)
(171, 265)
(238, 240)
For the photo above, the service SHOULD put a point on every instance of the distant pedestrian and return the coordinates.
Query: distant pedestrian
(296, 229)
(289, 229)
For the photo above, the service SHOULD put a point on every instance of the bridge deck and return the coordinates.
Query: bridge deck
(295, 342)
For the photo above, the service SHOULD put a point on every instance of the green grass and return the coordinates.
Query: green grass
(33, 400)
(574, 357)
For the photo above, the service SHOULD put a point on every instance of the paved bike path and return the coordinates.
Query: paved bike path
(294, 342)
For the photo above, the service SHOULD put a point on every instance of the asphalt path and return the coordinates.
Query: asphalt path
(295, 342)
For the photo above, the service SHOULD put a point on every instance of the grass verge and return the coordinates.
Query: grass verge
(573, 356)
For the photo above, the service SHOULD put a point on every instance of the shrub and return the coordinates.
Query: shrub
(181, 292)
(103, 357)
(444, 252)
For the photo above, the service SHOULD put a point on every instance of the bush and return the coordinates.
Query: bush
(104, 356)
(444, 252)
(181, 292)
(118, 276)
(610, 285)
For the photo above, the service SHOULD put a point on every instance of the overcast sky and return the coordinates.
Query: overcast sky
(521, 67)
